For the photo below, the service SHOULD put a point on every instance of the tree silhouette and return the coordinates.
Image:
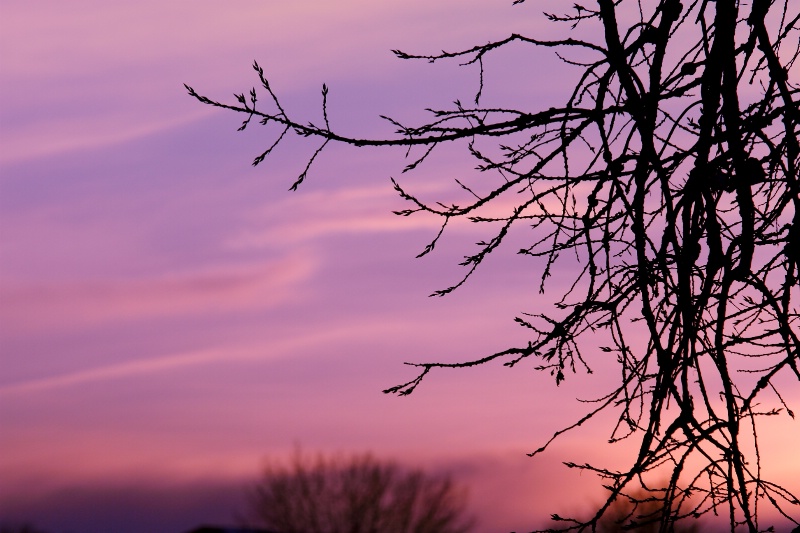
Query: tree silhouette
(355, 495)
(669, 177)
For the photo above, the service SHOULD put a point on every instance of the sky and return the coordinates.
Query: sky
(171, 317)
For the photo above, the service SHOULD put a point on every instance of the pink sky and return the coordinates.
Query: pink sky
(170, 316)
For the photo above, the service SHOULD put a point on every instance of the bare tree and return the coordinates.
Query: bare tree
(355, 495)
(669, 175)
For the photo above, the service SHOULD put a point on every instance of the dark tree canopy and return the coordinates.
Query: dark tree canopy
(670, 176)
(355, 495)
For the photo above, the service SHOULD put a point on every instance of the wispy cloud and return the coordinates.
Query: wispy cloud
(124, 370)
(57, 137)
(58, 306)
(356, 210)
(366, 210)
(150, 365)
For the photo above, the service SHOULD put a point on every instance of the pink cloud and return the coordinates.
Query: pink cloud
(144, 366)
(365, 209)
(61, 136)
(40, 307)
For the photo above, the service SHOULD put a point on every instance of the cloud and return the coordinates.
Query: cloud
(156, 506)
(152, 365)
(128, 369)
(59, 136)
(65, 305)
(366, 209)
(357, 210)
(507, 491)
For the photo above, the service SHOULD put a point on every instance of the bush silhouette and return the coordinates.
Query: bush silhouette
(359, 494)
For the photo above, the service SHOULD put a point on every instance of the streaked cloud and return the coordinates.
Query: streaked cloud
(357, 210)
(325, 213)
(57, 137)
(59, 306)
(147, 364)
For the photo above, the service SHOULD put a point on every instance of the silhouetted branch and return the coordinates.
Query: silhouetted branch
(669, 179)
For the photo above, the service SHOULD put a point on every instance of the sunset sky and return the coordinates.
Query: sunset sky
(170, 316)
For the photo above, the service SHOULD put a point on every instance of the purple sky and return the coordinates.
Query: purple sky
(170, 316)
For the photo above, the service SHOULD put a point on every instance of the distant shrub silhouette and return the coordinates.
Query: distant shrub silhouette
(641, 511)
(358, 494)
(19, 528)
(642, 517)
